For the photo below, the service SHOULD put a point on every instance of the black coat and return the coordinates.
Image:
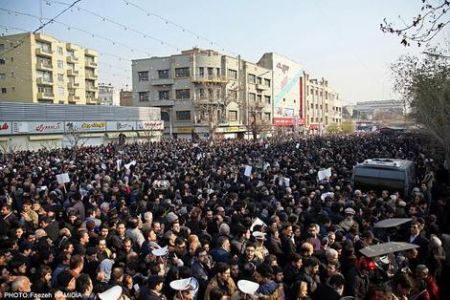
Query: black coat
(324, 291)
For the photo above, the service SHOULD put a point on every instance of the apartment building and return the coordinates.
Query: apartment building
(38, 68)
(108, 95)
(126, 98)
(286, 89)
(322, 104)
(205, 92)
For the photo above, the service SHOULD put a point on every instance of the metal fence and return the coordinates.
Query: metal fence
(10, 111)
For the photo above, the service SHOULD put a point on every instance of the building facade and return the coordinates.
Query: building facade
(108, 95)
(30, 126)
(322, 105)
(205, 92)
(38, 68)
(288, 110)
(126, 98)
(378, 109)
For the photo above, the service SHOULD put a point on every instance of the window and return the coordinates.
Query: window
(218, 72)
(143, 96)
(201, 71)
(218, 92)
(201, 93)
(12, 75)
(3, 90)
(251, 97)
(251, 78)
(312, 105)
(2, 61)
(60, 91)
(312, 120)
(259, 98)
(210, 93)
(163, 95)
(165, 116)
(267, 82)
(181, 72)
(143, 76)
(2, 47)
(60, 64)
(210, 71)
(60, 50)
(183, 94)
(232, 74)
(267, 99)
(60, 77)
(13, 89)
(183, 115)
(232, 115)
(163, 74)
(2, 76)
(12, 59)
(232, 94)
(259, 79)
(267, 116)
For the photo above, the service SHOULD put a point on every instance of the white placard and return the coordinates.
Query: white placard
(118, 163)
(248, 170)
(323, 174)
(63, 178)
(256, 222)
(286, 181)
(128, 165)
(103, 166)
(297, 146)
(324, 195)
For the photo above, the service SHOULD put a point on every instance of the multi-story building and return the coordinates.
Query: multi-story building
(126, 98)
(322, 105)
(288, 110)
(108, 95)
(38, 68)
(368, 110)
(205, 92)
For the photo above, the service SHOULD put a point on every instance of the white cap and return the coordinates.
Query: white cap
(259, 235)
(247, 287)
(349, 211)
(185, 284)
(401, 203)
(113, 293)
(160, 251)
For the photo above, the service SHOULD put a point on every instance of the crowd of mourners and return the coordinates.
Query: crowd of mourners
(184, 220)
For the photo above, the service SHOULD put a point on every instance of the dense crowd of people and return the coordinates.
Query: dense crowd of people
(184, 220)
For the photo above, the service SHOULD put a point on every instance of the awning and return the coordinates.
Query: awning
(112, 135)
(45, 137)
(130, 134)
(149, 133)
(91, 135)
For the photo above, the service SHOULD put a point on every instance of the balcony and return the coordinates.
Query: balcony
(73, 98)
(209, 79)
(45, 95)
(89, 52)
(43, 66)
(73, 85)
(161, 103)
(71, 72)
(43, 38)
(44, 52)
(90, 64)
(71, 47)
(162, 81)
(44, 81)
(208, 100)
(91, 101)
(91, 76)
(262, 87)
(91, 88)
(72, 59)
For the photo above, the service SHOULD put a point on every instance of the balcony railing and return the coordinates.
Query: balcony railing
(46, 81)
(71, 72)
(209, 79)
(43, 66)
(45, 95)
(162, 81)
(72, 59)
(44, 52)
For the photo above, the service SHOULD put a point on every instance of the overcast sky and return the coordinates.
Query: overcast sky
(338, 40)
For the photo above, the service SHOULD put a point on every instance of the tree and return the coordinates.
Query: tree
(433, 17)
(333, 129)
(347, 127)
(425, 85)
